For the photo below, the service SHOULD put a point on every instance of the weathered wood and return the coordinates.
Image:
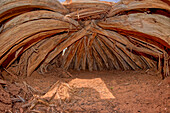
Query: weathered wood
(97, 59)
(67, 52)
(109, 54)
(79, 55)
(113, 47)
(111, 34)
(84, 13)
(121, 39)
(37, 15)
(84, 54)
(8, 38)
(78, 35)
(101, 52)
(145, 44)
(135, 62)
(17, 50)
(15, 6)
(3, 81)
(24, 59)
(89, 51)
(37, 57)
(73, 6)
(126, 5)
(122, 51)
(143, 25)
(97, 35)
(146, 61)
(72, 54)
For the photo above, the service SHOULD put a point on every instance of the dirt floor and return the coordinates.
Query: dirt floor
(91, 92)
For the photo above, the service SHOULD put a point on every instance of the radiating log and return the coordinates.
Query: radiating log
(145, 44)
(147, 62)
(101, 52)
(121, 39)
(15, 6)
(95, 35)
(111, 34)
(84, 54)
(37, 57)
(109, 54)
(84, 13)
(79, 55)
(126, 5)
(72, 54)
(97, 58)
(17, 50)
(24, 59)
(36, 15)
(145, 26)
(73, 6)
(73, 38)
(8, 38)
(95, 68)
(89, 51)
(71, 66)
(129, 55)
(124, 55)
(67, 52)
(132, 57)
(113, 47)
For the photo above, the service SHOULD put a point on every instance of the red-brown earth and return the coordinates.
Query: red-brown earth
(95, 92)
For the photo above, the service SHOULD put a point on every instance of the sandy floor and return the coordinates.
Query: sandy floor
(109, 92)
(113, 91)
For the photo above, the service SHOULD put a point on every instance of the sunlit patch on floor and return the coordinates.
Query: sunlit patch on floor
(97, 84)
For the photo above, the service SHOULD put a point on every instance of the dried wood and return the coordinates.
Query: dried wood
(89, 51)
(146, 61)
(37, 15)
(113, 47)
(72, 54)
(121, 39)
(101, 53)
(97, 35)
(14, 76)
(16, 6)
(98, 59)
(67, 43)
(3, 81)
(17, 50)
(84, 13)
(67, 52)
(27, 29)
(73, 6)
(109, 54)
(126, 5)
(84, 54)
(37, 57)
(132, 57)
(152, 47)
(79, 54)
(143, 25)
(95, 68)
